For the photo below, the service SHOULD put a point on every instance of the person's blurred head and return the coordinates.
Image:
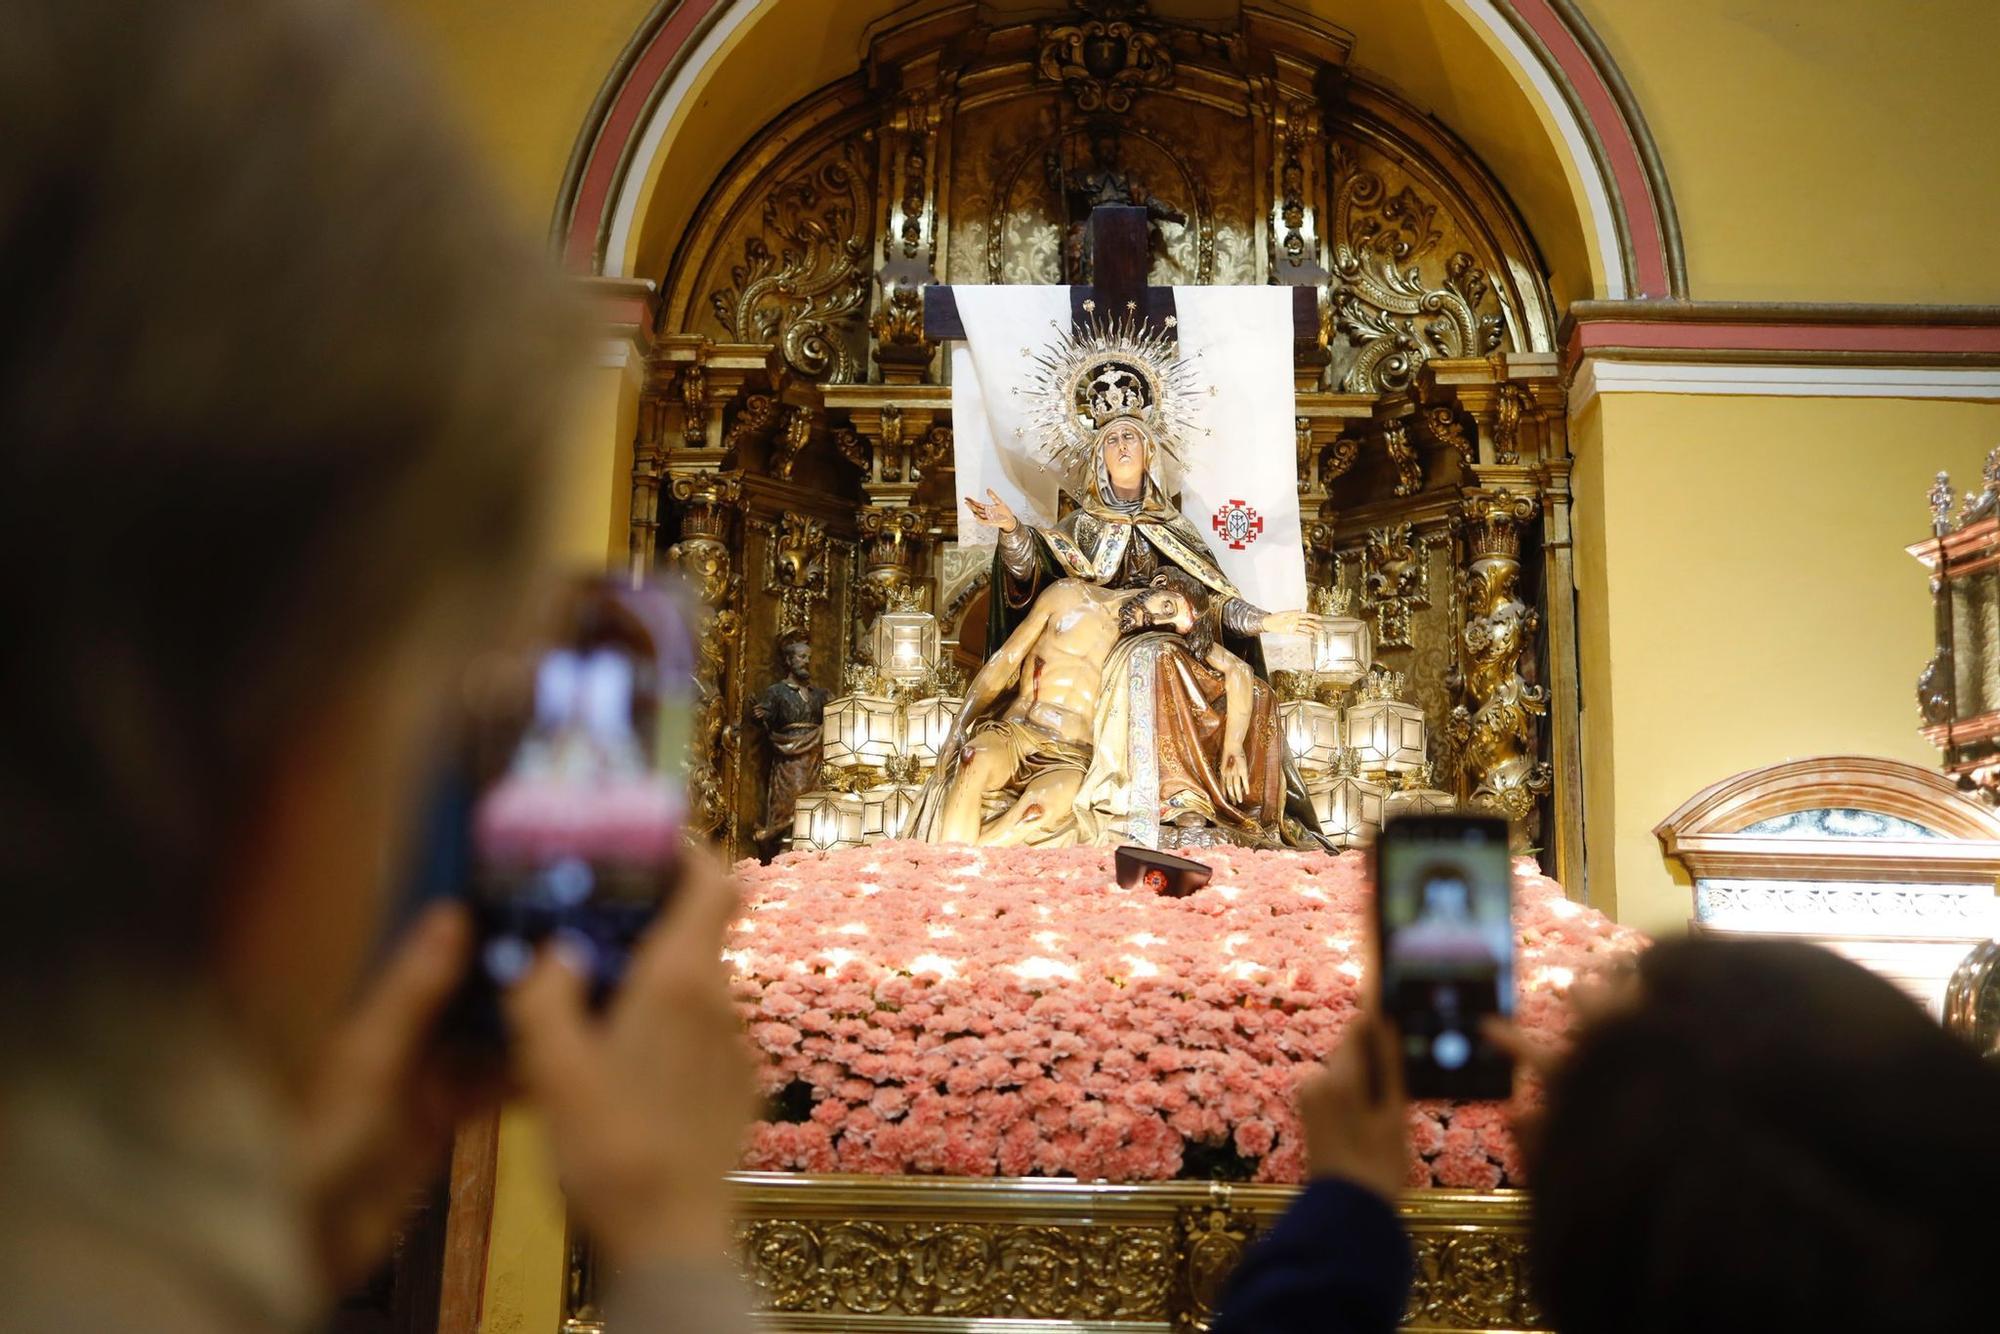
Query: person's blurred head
(275, 385)
(1767, 1137)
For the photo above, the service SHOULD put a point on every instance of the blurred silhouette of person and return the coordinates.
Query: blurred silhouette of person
(277, 387)
(1758, 1135)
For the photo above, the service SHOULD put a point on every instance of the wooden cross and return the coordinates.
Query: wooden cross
(1119, 257)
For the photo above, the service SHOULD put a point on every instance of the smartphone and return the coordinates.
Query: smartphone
(561, 817)
(1444, 901)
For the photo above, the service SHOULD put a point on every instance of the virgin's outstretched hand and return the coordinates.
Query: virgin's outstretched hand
(994, 512)
(1293, 623)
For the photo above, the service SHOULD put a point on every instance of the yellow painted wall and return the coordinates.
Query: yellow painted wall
(525, 1253)
(1744, 598)
(1823, 150)
(521, 74)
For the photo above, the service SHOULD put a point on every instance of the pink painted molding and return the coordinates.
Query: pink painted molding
(1745, 331)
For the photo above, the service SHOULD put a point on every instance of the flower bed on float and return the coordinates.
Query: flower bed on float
(982, 1011)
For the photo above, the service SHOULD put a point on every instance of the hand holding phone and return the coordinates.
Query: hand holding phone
(1444, 895)
(569, 803)
(1354, 1111)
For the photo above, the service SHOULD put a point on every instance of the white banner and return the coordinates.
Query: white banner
(991, 446)
(1241, 490)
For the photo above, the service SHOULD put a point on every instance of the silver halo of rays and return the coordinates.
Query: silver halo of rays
(1057, 386)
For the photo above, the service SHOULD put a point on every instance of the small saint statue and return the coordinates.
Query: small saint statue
(1104, 181)
(791, 710)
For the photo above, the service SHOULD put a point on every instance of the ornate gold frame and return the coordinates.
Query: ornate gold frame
(927, 1255)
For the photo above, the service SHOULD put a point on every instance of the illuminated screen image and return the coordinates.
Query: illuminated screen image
(586, 804)
(1448, 941)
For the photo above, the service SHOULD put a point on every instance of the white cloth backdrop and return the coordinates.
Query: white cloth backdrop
(1246, 464)
(1248, 461)
(988, 419)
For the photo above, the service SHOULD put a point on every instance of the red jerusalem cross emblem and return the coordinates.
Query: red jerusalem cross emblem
(1237, 524)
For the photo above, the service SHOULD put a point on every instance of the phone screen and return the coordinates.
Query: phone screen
(572, 795)
(1444, 901)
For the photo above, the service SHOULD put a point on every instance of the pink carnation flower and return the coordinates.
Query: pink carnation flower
(1013, 1011)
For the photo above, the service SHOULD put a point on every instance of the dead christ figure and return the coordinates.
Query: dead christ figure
(1040, 740)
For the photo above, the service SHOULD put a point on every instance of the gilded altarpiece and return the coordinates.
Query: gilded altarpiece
(794, 453)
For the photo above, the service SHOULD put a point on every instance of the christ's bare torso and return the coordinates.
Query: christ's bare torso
(1063, 673)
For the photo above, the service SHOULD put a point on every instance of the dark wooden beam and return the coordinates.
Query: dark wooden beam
(942, 322)
(1120, 256)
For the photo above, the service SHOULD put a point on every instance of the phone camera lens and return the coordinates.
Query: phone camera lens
(1450, 1050)
(508, 959)
(569, 881)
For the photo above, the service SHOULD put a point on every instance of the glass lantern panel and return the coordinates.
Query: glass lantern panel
(906, 644)
(875, 813)
(862, 730)
(1312, 734)
(1343, 651)
(926, 725)
(814, 823)
(846, 822)
(897, 810)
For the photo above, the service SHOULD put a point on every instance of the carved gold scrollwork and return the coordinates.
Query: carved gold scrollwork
(1395, 582)
(1496, 725)
(1107, 59)
(797, 574)
(1444, 428)
(1380, 299)
(1471, 1281)
(791, 440)
(865, 1265)
(806, 270)
(1409, 467)
(1294, 239)
(1507, 413)
(955, 1266)
(1339, 459)
(1021, 1271)
(784, 1258)
(892, 542)
(934, 448)
(900, 321)
(694, 406)
(754, 421)
(1212, 1238)
(851, 445)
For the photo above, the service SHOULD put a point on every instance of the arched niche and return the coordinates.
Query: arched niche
(1525, 83)
(943, 150)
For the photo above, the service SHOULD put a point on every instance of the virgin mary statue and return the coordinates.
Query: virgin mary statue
(1108, 408)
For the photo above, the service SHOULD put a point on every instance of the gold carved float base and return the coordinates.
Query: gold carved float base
(903, 1255)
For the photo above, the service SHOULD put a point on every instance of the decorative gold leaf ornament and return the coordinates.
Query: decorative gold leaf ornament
(1098, 372)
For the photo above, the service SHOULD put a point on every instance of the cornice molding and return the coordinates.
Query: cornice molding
(1838, 350)
(1777, 313)
(1705, 833)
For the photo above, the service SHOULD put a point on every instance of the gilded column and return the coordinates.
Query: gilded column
(707, 504)
(1496, 726)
